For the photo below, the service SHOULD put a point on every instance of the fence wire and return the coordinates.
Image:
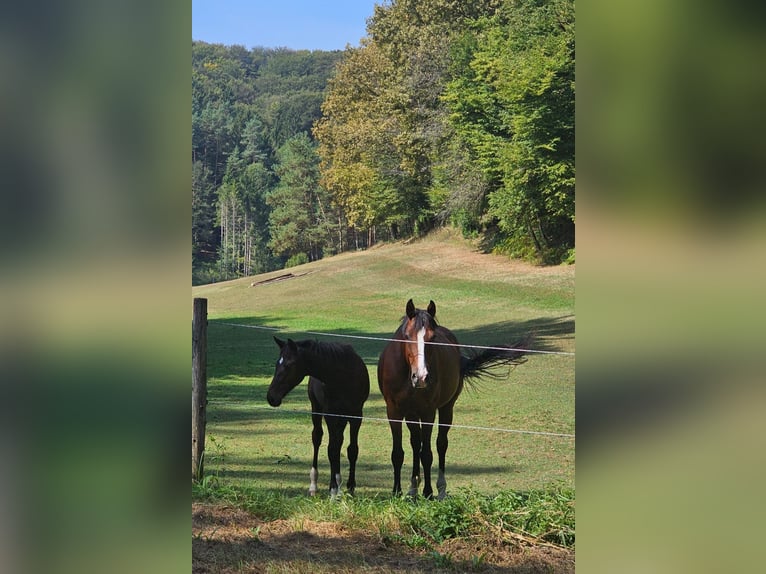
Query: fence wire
(368, 338)
(405, 421)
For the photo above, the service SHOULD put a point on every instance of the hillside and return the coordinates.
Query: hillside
(366, 290)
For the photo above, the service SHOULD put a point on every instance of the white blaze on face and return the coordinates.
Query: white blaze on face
(422, 370)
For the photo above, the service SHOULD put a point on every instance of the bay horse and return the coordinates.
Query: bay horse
(417, 378)
(339, 384)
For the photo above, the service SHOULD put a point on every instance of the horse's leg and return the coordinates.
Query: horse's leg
(316, 439)
(415, 443)
(336, 425)
(397, 452)
(442, 442)
(426, 455)
(353, 453)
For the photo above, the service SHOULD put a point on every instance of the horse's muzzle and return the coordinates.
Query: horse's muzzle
(419, 383)
(274, 402)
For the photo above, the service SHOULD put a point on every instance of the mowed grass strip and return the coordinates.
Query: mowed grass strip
(484, 299)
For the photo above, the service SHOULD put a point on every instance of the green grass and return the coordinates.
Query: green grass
(484, 299)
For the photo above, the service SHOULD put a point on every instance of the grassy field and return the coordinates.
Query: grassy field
(484, 299)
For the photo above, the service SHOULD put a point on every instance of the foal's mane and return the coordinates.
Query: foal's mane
(327, 350)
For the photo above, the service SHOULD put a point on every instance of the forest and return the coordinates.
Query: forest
(449, 113)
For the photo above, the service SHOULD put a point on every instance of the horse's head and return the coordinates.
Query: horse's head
(288, 372)
(418, 329)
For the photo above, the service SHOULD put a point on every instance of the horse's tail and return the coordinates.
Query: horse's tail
(485, 362)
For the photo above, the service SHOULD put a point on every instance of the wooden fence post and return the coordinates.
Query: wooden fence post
(199, 385)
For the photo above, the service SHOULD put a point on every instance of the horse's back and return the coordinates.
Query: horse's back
(362, 387)
(448, 355)
(444, 335)
(346, 390)
(361, 379)
(446, 366)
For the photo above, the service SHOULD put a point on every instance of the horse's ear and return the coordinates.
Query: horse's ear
(410, 309)
(432, 309)
(292, 345)
(279, 342)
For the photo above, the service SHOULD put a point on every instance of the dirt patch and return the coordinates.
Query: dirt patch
(227, 539)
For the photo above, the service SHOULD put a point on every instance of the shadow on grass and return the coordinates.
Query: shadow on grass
(239, 390)
(300, 550)
(225, 416)
(281, 469)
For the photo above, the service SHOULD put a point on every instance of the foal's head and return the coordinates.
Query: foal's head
(288, 372)
(418, 328)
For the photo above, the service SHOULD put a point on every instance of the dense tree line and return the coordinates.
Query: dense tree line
(254, 164)
(450, 112)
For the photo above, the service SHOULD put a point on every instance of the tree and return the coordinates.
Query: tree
(245, 105)
(203, 215)
(301, 219)
(355, 137)
(514, 107)
(384, 129)
(254, 185)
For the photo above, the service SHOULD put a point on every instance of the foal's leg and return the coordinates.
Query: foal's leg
(316, 439)
(353, 453)
(336, 426)
(415, 443)
(397, 452)
(442, 442)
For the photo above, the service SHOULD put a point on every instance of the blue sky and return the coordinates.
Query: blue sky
(296, 24)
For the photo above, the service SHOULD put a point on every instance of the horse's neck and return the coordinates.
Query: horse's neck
(318, 366)
(444, 335)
